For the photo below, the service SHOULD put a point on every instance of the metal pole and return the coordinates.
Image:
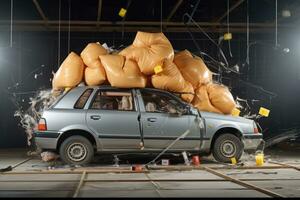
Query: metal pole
(58, 56)
(276, 24)
(11, 20)
(69, 27)
(160, 15)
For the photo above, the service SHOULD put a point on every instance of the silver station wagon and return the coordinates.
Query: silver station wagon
(86, 120)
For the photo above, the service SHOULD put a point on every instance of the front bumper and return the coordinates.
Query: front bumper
(46, 139)
(252, 142)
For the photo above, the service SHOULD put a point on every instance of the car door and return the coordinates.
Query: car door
(161, 127)
(112, 114)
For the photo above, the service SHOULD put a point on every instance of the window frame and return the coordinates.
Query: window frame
(113, 90)
(59, 98)
(89, 89)
(160, 93)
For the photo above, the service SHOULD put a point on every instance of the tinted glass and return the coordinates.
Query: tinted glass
(113, 100)
(80, 103)
(159, 102)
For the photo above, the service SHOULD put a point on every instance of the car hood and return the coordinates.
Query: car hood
(225, 117)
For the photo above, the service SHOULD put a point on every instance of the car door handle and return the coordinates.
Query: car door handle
(152, 119)
(95, 117)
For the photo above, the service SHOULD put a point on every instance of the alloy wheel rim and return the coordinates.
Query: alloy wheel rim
(77, 152)
(228, 149)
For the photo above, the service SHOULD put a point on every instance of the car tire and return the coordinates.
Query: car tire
(227, 146)
(76, 150)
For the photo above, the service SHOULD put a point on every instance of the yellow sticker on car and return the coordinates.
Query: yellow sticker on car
(158, 69)
(235, 112)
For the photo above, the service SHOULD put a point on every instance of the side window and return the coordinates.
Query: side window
(159, 103)
(113, 100)
(80, 103)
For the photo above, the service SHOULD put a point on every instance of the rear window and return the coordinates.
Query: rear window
(58, 95)
(80, 103)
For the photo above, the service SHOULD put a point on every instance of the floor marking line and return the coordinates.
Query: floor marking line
(286, 165)
(155, 185)
(80, 184)
(244, 184)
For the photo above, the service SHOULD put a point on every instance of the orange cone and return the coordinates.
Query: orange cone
(196, 160)
(137, 168)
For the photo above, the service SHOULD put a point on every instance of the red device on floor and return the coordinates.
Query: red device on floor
(196, 160)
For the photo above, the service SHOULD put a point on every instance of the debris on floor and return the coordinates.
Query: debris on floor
(252, 172)
(6, 169)
(48, 156)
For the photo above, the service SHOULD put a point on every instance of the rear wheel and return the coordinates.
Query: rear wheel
(227, 146)
(76, 150)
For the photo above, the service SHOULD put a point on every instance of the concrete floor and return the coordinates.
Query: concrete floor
(285, 181)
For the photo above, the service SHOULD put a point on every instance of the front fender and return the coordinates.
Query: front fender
(213, 130)
(234, 126)
(213, 126)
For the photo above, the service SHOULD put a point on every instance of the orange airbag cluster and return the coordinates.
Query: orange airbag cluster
(149, 61)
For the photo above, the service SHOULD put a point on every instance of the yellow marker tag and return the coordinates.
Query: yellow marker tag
(259, 158)
(158, 69)
(264, 112)
(67, 89)
(227, 36)
(233, 161)
(236, 112)
(122, 12)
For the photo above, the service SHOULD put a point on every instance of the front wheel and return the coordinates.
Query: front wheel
(76, 150)
(227, 146)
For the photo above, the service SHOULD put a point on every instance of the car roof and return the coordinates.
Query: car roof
(116, 88)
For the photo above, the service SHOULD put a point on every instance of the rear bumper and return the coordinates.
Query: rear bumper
(46, 139)
(252, 142)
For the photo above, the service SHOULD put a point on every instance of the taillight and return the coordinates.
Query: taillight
(42, 126)
(255, 129)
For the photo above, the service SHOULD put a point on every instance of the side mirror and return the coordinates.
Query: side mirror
(186, 109)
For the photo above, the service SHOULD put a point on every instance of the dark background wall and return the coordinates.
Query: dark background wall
(272, 69)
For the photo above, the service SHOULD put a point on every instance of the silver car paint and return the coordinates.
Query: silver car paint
(59, 120)
(215, 122)
(167, 125)
(62, 117)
